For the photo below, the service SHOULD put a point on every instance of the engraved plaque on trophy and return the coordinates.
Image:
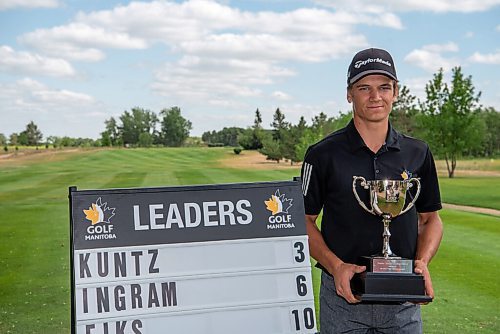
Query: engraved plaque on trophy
(388, 277)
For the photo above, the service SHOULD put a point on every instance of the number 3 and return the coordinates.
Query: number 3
(300, 255)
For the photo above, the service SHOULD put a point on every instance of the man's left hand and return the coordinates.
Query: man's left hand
(422, 269)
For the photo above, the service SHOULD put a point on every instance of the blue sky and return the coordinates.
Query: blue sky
(70, 65)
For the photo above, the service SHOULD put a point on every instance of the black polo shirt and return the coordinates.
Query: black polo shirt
(327, 177)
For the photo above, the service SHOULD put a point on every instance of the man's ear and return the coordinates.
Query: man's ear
(396, 93)
(349, 96)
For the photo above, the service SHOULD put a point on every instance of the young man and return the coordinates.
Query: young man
(368, 146)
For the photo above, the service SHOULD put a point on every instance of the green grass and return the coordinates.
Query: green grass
(34, 233)
(34, 221)
(466, 275)
(474, 191)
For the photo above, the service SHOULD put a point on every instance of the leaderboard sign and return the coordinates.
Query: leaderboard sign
(215, 259)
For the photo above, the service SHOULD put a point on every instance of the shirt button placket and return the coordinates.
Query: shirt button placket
(375, 167)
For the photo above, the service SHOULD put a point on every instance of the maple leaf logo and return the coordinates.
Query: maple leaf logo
(278, 203)
(99, 212)
(406, 175)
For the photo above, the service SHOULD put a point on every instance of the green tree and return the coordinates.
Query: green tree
(404, 111)
(31, 136)
(251, 138)
(271, 149)
(336, 123)
(291, 138)
(3, 139)
(279, 125)
(309, 137)
(257, 123)
(274, 147)
(226, 136)
(14, 139)
(134, 123)
(491, 140)
(110, 136)
(22, 138)
(320, 124)
(174, 128)
(449, 121)
(106, 139)
(145, 139)
(52, 140)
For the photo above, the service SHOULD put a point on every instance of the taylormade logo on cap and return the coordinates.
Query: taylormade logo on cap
(360, 63)
(369, 62)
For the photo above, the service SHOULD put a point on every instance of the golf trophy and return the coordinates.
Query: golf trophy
(388, 278)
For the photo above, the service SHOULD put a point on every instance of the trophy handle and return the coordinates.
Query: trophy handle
(364, 184)
(417, 181)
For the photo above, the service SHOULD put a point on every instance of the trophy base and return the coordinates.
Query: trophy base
(389, 287)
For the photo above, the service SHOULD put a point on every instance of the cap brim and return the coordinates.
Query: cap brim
(363, 74)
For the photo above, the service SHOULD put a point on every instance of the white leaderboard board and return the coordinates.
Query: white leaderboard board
(218, 259)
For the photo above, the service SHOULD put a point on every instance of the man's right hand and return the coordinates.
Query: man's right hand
(342, 275)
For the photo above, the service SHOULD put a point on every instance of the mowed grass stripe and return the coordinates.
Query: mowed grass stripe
(472, 240)
(34, 294)
(470, 253)
(465, 276)
(482, 192)
(126, 180)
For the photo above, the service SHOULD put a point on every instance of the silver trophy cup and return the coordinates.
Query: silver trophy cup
(387, 199)
(388, 277)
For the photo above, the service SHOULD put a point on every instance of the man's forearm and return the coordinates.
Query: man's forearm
(430, 233)
(318, 248)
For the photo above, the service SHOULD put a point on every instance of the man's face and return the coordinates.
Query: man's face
(372, 98)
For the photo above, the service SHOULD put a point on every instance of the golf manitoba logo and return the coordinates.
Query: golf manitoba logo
(99, 214)
(279, 205)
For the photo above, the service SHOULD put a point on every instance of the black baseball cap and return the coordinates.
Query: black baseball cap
(371, 61)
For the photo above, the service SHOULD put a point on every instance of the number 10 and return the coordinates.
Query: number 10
(308, 318)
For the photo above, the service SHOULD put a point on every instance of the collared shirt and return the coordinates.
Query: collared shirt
(327, 183)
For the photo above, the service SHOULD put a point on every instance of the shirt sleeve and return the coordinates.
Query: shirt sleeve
(312, 183)
(430, 197)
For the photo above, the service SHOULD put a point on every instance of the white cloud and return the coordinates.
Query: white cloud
(469, 34)
(490, 58)
(9, 4)
(224, 52)
(227, 54)
(55, 111)
(21, 62)
(200, 27)
(368, 17)
(417, 86)
(266, 47)
(429, 57)
(80, 41)
(196, 78)
(438, 48)
(281, 96)
(438, 6)
(36, 95)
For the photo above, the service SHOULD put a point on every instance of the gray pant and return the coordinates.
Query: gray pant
(338, 316)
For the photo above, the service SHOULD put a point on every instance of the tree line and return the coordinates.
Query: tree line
(139, 128)
(450, 119)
